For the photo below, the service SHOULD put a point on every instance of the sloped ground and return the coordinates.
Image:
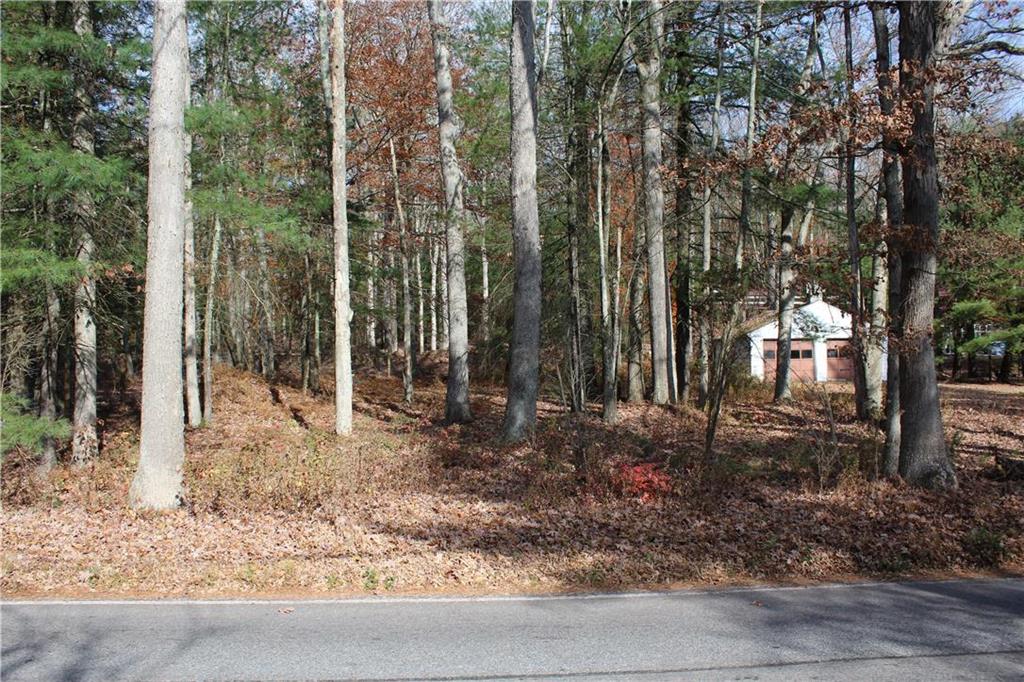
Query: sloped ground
(276, 504)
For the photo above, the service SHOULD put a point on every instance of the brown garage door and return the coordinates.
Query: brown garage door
(801, 360)
(839, 360)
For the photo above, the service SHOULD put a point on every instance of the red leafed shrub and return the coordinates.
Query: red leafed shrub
(646, 481)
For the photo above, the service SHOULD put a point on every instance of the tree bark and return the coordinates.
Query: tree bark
(49, 367)
(879, 295)
(193, 412)
(578, 151)
(371, 292)
(457, 393)
(48, 377)
(157, 482)
(339, 190)
(707, 246)
(485, 275)
(635, 342)
(211, 296)
(654, 202)
(420, 309)
(85, 442)
(894, 219)
(406, 292)
(434, 249)
(924, 459)
(524, 349)
(747, 187)
(853, 233)
(266, 328)
(787, 296)
(684, 200)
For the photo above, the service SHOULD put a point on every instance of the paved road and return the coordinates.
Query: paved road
(919, 631)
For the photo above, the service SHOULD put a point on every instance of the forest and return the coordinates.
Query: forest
(328, 296)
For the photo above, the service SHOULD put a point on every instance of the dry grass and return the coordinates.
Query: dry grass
(275, 503)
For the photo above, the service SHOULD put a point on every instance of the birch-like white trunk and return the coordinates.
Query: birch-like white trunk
(342, 306)
(457, 394)
(433, 252)
(418, 268)
(157, 482)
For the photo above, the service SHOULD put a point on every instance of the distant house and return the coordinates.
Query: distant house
(819, 348)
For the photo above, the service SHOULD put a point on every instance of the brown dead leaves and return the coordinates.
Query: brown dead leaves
(408, 505)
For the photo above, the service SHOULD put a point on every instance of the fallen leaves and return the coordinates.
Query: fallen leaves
(409, 505)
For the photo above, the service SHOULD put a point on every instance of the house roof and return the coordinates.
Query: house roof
(817, 319)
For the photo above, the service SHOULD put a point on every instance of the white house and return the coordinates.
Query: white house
(819, 347)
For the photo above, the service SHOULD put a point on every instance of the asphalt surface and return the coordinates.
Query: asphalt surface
(911, 631)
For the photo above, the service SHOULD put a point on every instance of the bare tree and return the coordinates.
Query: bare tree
(157, 482)
(524, 350)
(457, 395)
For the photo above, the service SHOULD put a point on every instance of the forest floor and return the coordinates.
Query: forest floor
(275, 504)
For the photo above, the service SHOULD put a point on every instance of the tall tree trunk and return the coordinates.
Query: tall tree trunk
(406, 292)
(684, 200)
(157, 482)
(879, 294)
(442, 266)
(853, 233)
(578, 151)
(924, 459)
(324, 38)
(706, 331)
(433, 251)
(635, 342)
(649, 68)
(457, 394)
(391, 290)
(266, 327)
(609, 308)
(371, 292)
(787, 295)
(48, 377)
(339, 190)
(51, 319)
(193, 412)
(747, 188)
(211, 297)
(85, 442)
(524, 349)
(420, 310)
(894, 219)
(485, 275)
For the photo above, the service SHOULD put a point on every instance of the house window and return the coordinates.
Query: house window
(833, 352)
(806, 354)
(769, 355)
(794, 354)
